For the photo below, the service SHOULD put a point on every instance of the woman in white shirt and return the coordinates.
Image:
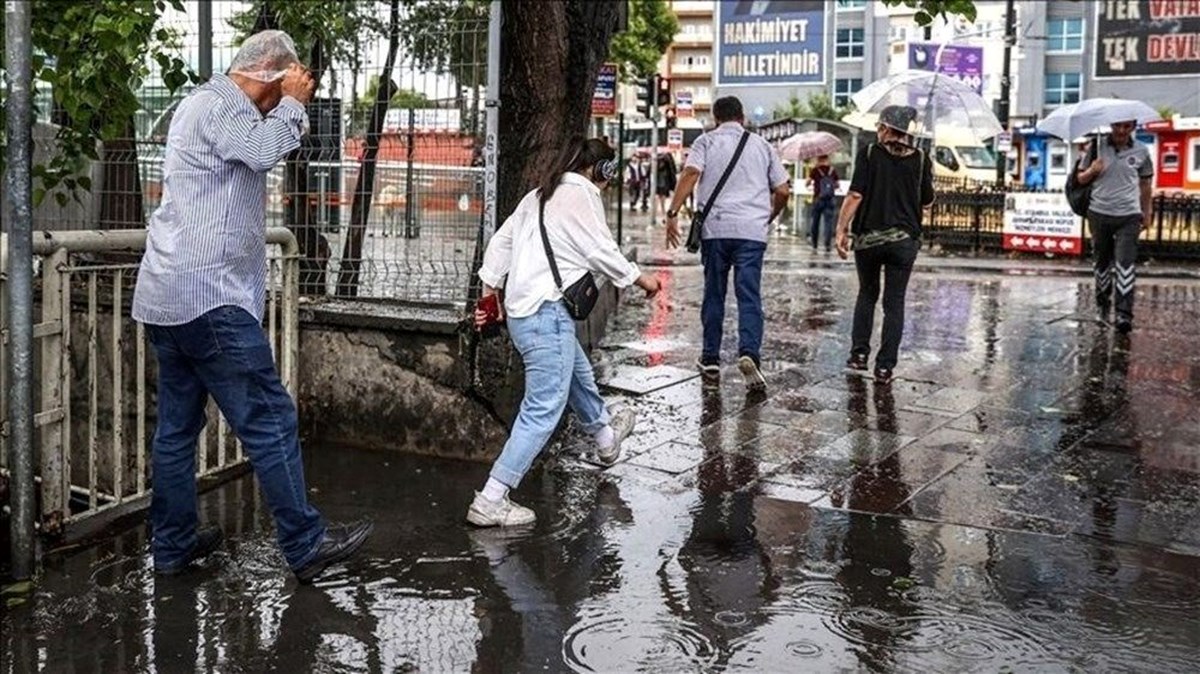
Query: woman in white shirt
(557, 371)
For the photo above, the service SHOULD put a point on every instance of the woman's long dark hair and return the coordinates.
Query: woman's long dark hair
(576, 154)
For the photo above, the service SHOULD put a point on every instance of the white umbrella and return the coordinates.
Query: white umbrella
(1071, 121)
(940, 101)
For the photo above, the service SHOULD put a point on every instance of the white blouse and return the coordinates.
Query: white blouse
(578, 235)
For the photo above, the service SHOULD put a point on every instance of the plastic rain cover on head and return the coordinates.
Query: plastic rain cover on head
(265, 56)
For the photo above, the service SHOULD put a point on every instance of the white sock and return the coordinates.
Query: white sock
(605, 437)
(494, 490)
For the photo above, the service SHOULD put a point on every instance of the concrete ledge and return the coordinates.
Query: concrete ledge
(413, 378)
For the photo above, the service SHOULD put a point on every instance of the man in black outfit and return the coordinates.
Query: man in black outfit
(892, 184)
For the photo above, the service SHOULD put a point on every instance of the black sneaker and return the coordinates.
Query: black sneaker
(857, 361)
(339, 542)
(883, 376)
(208, 541)
(755, 381)
(1124, 326)
(710, 375)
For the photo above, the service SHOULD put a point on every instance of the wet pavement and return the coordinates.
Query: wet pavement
(1025, 497)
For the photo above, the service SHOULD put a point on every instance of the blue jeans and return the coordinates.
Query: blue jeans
(557, 374)
(225, 353)
(822, 210)
(745, 257)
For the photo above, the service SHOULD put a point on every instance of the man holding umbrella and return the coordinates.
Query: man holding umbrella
(1121, 176)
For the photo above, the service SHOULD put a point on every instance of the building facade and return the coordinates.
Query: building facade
(1064, 50)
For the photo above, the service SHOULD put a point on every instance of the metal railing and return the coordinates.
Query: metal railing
(91, 361)
(971, 216)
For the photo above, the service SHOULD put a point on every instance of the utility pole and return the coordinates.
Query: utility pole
(206, 39)
(1010, 37)
(18, 216)
(654, 149)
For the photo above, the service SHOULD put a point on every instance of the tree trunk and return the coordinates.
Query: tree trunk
(552, 53)
(121, 204)
(364, 187)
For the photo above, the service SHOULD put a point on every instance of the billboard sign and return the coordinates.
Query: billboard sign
(1041, 222)
(675, 139)
(604, 97)
(1147, 38)
(772, 42)
(961, 62)
(683, 104)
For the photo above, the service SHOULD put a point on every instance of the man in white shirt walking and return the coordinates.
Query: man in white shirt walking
(201, 292)
(734, 235)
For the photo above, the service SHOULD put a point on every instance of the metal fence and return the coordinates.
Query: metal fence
(971, 216)
(421, 211)
(93, 370)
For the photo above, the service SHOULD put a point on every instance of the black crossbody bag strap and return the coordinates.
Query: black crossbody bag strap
(737, 154)
(546, 244)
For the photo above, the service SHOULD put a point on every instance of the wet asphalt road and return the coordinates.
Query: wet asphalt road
(1025, 497)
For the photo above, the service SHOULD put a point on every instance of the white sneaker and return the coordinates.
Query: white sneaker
(755, 381)
(622, 425)
(485, 512)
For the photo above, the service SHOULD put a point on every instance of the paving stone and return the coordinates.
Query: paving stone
(641, 380)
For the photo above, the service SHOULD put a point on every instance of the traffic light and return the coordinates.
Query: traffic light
(663, 97)
(669, 115)
(645, 92)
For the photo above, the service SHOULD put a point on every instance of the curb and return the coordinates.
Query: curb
(945, 265)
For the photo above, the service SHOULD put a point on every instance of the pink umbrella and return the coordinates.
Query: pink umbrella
(808, 145)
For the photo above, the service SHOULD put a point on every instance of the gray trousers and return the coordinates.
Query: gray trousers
(1115, 241)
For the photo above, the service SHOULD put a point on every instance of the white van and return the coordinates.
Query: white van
(958, 155)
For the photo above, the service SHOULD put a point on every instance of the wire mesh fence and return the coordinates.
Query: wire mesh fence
(406, 230)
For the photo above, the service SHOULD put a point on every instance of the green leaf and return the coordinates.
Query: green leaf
(39, 195)
(61, 198)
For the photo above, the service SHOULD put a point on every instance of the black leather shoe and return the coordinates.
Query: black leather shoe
(208, 541)
(339, 542)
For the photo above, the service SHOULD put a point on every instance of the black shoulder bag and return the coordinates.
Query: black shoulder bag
(580, 297)
(1079, 196)
(693, 240)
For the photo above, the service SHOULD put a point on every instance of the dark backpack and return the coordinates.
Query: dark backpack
(826, 185)
(1080, 196)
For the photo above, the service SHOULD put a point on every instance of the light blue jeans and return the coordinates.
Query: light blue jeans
(557, 373)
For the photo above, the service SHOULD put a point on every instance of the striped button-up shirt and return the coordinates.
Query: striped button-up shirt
(206, 246)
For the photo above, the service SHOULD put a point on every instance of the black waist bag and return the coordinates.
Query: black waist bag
(580, 297)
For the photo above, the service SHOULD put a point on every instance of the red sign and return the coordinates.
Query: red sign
(604, 97)
(1061, 245)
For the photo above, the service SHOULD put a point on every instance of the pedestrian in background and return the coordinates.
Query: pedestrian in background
(201, 292)
(734, 235)
(1122, 177)
(558, 373)
(633, 181)
(883, 211)
(824, 181)
(666, 183)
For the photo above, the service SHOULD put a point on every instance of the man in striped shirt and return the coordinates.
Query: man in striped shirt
(201, 292)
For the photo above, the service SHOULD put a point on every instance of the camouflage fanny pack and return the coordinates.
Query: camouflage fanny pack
(880, 237)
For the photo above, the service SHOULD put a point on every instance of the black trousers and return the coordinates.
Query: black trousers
(1115, 240)
(895, 260)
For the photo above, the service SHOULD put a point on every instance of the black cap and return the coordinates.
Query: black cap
(899, 117)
